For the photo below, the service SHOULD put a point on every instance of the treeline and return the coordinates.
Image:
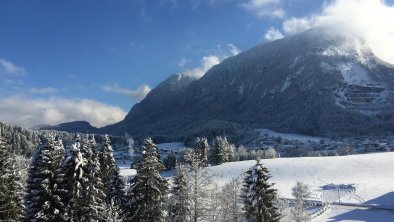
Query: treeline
(21, 141)
(221, 151)
(79, 183)
(82, 183)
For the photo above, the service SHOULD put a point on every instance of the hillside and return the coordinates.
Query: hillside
(309, 83)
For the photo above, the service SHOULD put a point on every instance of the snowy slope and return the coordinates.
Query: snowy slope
(290, 136)
(370, 174)
(370, 178)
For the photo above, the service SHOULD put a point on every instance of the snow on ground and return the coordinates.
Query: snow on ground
(125, 172)
(363, 179)
(289, 136)
(171, 146)
(370, 177)
(345, 213)
(353, 73)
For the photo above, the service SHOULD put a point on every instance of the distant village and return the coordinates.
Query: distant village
(285, 147)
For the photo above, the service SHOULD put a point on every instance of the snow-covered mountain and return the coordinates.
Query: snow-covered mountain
(310, 83)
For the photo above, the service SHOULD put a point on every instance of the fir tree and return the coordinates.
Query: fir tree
(93, 194)
(3, 179)
(14, 205)
(148, 190)
(11, 190)
(116, 194)
(170, 161)
(258, 195)
(180, 206)
(221, 152)
(74, 182)
(43, 199)
(201, 149)
(107, 163)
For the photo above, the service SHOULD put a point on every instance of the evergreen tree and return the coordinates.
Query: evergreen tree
(116, 194)
(108, 165)
(148, 190)
(258, 195)
(170, 161)
(115, 214)
(180, 206)
(11, 190)
(13, 207)
(74, 182)
(93, 194)
(201, 149)
(43, 199)
(221, 152)
(3, 179)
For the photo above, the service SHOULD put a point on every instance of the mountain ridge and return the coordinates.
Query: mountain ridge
(309, 83)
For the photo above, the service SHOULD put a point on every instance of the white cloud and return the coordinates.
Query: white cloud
(233, 50)
(296, 25)
(136, 95)
(263, 8)
(273, 34)
(11, 68)
(47, 90)
(31, 112)
(209, 61)
(368, 20)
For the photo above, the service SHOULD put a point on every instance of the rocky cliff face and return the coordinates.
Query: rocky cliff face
(308, 83)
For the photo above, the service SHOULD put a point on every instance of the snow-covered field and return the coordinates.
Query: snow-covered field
(170, 146)
(344, 213)
(371, 176)
(364, 179)
(289, 136)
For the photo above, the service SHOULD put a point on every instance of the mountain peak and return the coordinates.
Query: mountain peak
(313, 83)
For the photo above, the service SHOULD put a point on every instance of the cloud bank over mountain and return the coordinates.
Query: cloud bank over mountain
(31, 112)
(367, 20)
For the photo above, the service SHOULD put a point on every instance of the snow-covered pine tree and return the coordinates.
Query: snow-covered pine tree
(221, 151)
(13, 207)
(115, 214)
(3, 179)
(170, 161)
(201, 149)
(93, 194)
(108, 165)
(74, 180)
(43, 194)
(258, 195)
(300, 191)
(11, 189)
(116, 194)
(148, 190)
(215, 155)
(179, 202)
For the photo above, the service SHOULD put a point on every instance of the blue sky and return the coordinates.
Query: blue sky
(104, 55)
